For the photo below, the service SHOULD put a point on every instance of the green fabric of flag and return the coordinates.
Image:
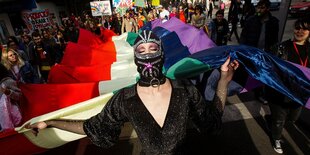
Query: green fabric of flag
(131, 38)
(186, 67)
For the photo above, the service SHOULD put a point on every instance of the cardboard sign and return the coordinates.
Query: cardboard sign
(38, 19)
(122, 5)
(100, 8)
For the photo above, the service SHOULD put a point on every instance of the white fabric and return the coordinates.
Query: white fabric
(113, 85)
(52, 137)
(124, 66)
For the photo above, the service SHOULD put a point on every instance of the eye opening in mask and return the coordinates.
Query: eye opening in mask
(147, 48)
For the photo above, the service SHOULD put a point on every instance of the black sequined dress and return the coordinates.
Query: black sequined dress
(186, 105)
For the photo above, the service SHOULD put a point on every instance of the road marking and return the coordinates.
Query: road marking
(246, 110)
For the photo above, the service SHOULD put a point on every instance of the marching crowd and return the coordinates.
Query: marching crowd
(28, 58)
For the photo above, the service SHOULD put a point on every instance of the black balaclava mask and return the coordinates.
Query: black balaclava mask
(149, 65)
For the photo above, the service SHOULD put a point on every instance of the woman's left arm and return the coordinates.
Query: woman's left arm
(227, 72)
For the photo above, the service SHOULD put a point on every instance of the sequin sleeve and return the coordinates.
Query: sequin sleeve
(205, 115)
(104, 128)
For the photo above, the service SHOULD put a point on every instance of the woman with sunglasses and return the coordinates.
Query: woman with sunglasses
(282, 108)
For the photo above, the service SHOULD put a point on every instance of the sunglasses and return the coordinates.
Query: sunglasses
(14, 54)
(301, 28)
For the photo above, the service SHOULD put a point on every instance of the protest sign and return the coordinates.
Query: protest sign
(37, 19)
(100, 8)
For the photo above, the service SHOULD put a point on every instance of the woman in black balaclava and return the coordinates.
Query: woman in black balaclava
(158, 108)
(150, 62)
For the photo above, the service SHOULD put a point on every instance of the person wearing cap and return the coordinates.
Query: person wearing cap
(158, 108)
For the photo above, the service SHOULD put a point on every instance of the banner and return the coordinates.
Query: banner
(122, 5)
(140, 3)
(155, 2)
(37, 19)
(100, 8)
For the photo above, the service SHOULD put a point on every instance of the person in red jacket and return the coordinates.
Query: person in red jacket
(181, 14)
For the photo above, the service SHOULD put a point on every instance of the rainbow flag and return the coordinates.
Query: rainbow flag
(187, 56)
(94, 67)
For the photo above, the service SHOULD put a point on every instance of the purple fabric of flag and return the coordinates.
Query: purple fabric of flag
(306, 71)
(195, 39)
(289, 79)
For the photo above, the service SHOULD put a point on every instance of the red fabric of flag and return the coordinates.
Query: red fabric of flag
(13, 143)
(40, 99)
(73, 81)
(87, 38)
(79, 74)
(80, 55)
(106, 35)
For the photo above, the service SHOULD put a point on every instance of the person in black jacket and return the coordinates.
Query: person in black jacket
(261, 30)
(248, 10)
(210, 9)
(44, 57)
(284, 110)
(233, 18)
(219, 29)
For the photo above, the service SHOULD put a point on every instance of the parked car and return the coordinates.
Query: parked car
(275, 4)
(300, 9)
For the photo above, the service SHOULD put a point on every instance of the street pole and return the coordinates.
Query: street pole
(283, 13)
